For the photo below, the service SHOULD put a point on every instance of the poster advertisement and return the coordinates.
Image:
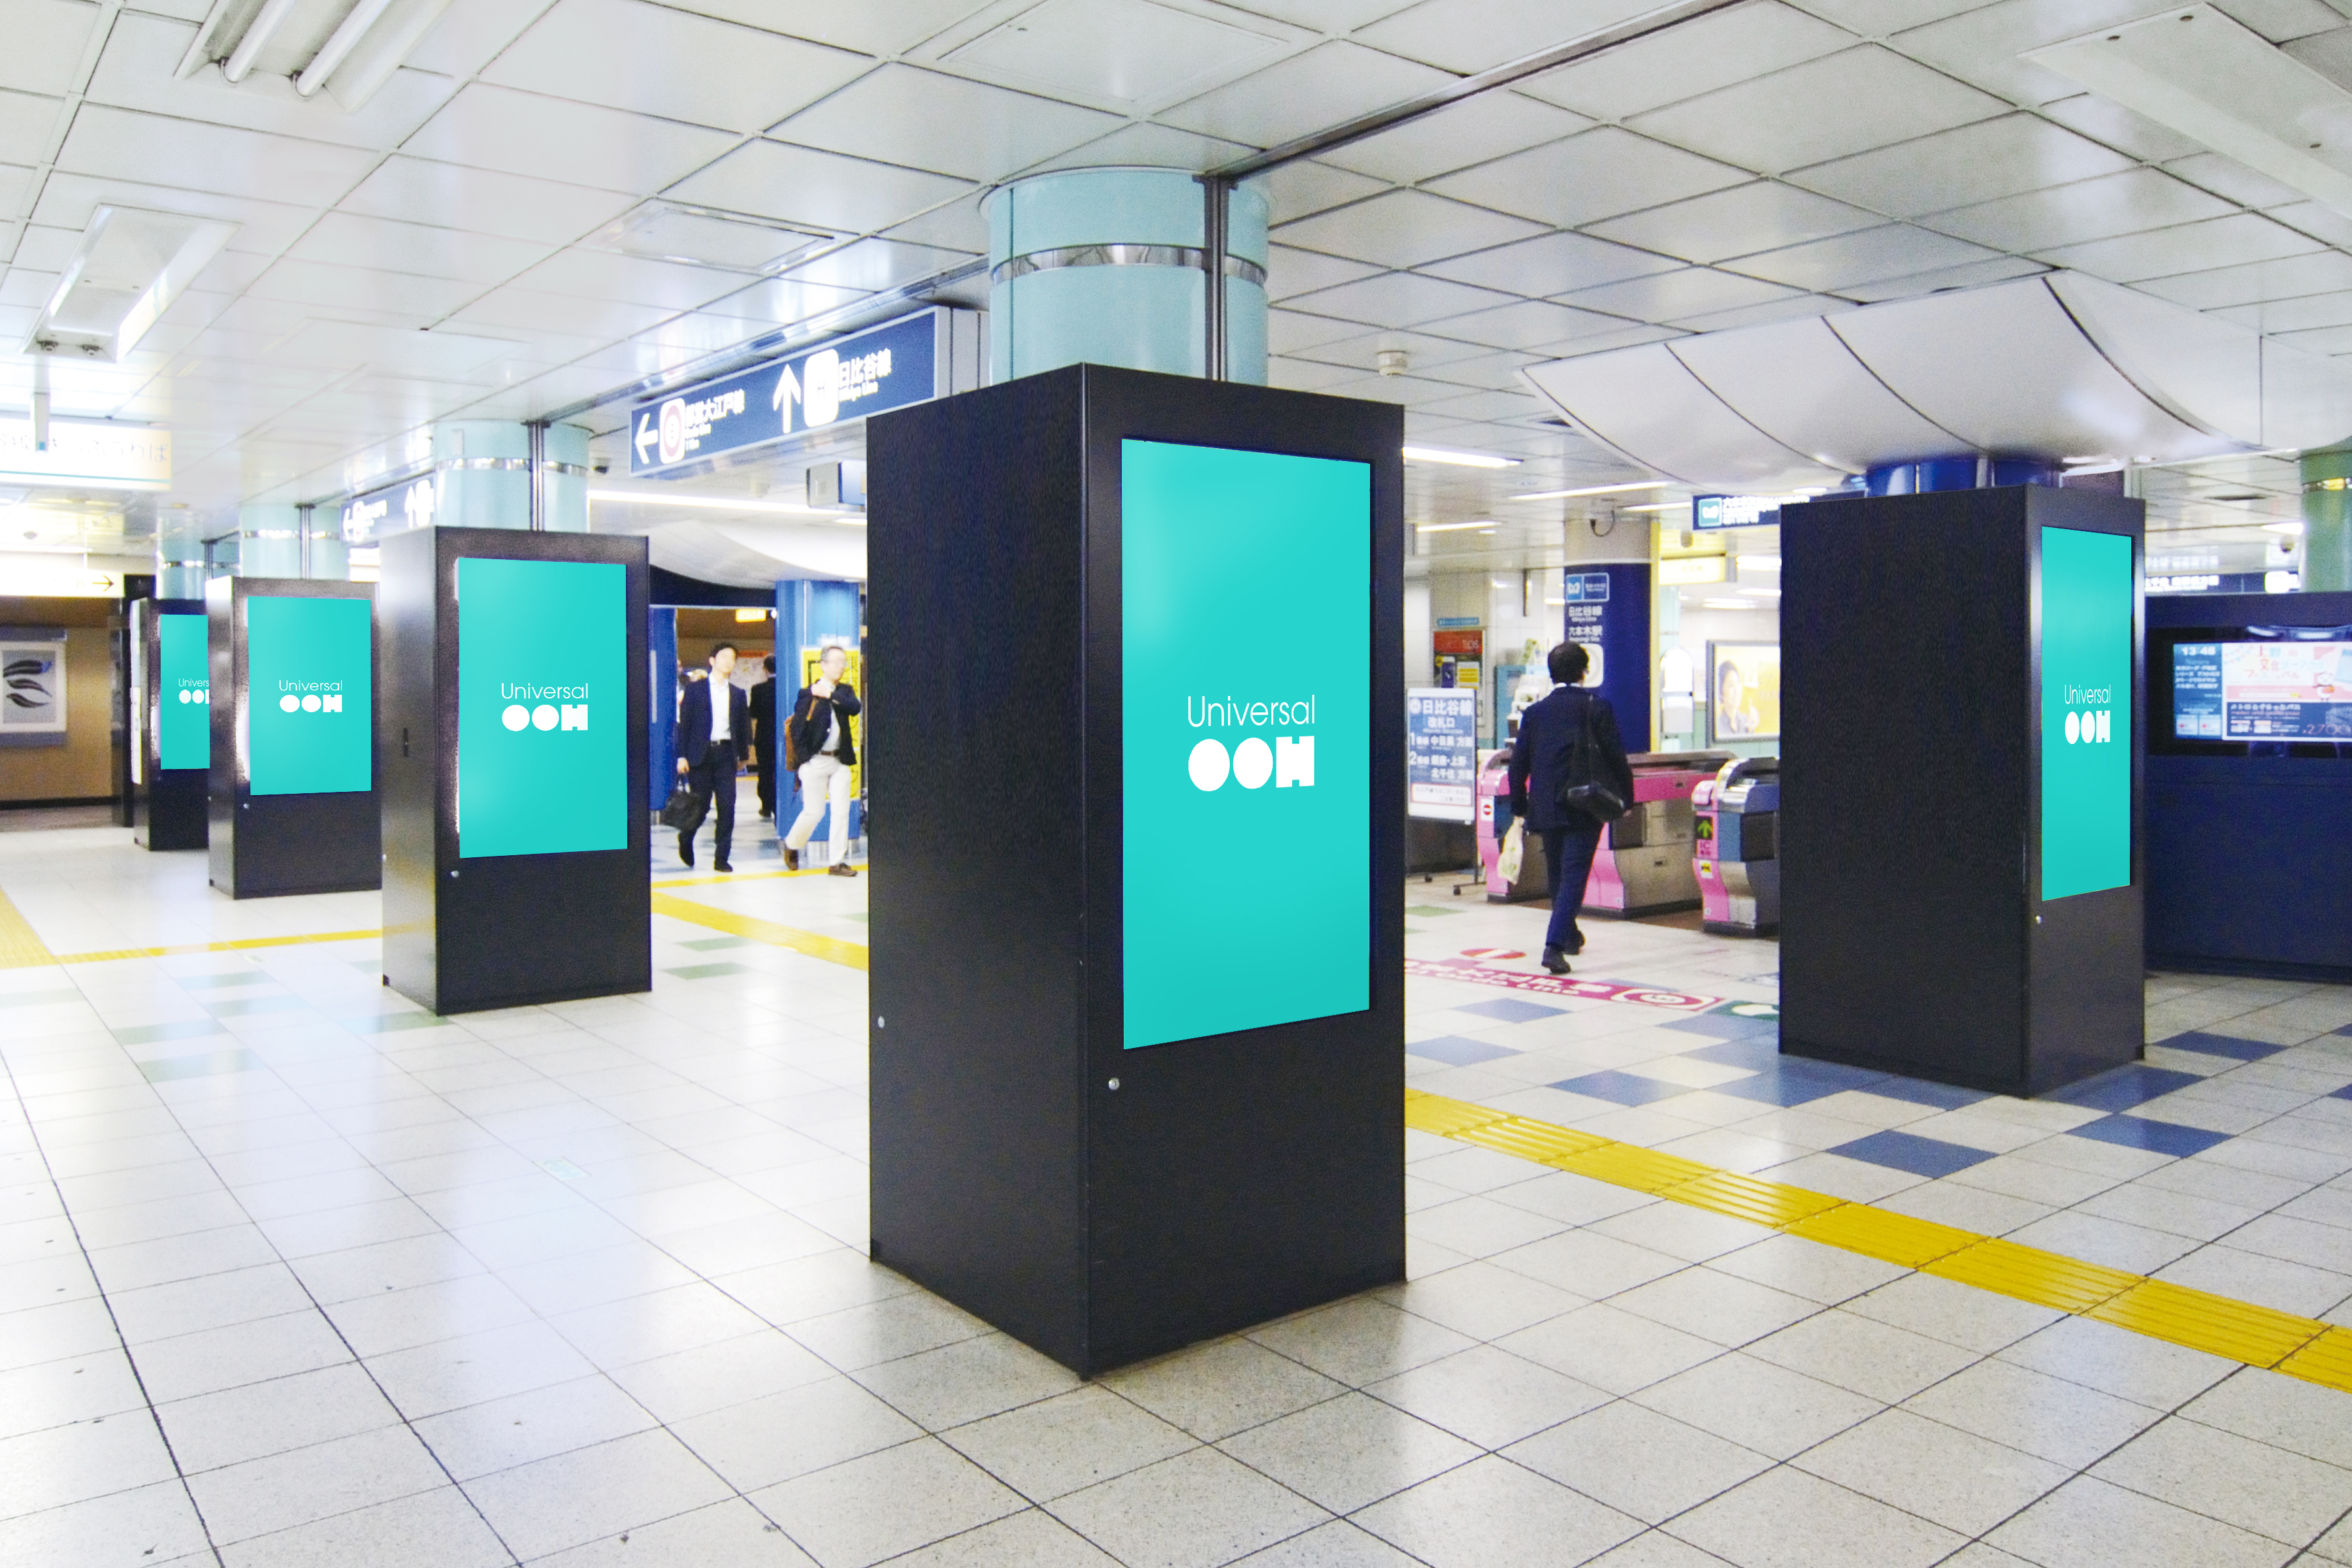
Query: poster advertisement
(309, 692)
(2088, 612)
(1743, 691)
(184, 692)
(1226, 754)
(2264, 690)
(542, 707)
(1441, 741)
(33, 703)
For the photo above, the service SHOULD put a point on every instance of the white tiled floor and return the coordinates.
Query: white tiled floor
(291, 1274)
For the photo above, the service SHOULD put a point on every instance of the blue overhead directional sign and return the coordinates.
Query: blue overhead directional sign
(884, 367)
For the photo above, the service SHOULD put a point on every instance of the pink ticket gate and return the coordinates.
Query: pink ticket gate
(1737, 854)
(1643, 866)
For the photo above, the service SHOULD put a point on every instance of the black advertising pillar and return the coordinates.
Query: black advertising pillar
(512, 725)
(293, 737)
(172, 685)
(1961, 887)
(1140, 631)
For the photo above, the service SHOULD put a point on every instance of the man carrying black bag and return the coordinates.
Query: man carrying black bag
(1570, 779)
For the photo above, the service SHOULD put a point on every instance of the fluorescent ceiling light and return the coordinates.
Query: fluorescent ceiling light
(1591, 490)
(1449, 527)
(708, 503)
(2282, 527)
(368, 43)
(129, 267)
(2221, 84)
(1458, 460)
(1728, 603)
(1759, 563)
(749, 618)
(1660, 506)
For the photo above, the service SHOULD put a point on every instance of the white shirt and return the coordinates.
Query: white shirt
(722, 704)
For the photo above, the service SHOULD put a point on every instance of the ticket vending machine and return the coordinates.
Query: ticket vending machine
(1737, 849)
(1643, 866)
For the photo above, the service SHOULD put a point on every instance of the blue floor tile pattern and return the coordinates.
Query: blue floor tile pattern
(2123, 1087)
(1460, 1050)
(1909, 1152)
(1622, 1088)
(2154, 1137)
(1510, 1010)
(2222, 1045)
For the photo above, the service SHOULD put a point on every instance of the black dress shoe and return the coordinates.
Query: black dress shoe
(686, 856)
(721, 865)
(1555, 959)
(791, 858)
(844, 869)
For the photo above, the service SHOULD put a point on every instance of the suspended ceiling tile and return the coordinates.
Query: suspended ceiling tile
(1598, 174)
(482, 200)
(2293, 315)
(2190, 247)
(2328, 53)
(625, 54)
(2319, 221)
(1677, 296)
(1289, 271)
(1403, 229)
(2325, 341)
(1396, 299)
(1492, 406)
(1735, 222)
(825, 190)
(782, 301)
(2233, 181)
(1550, 264)
(426, 299)
(68, 200)
(872, 265)
(885, 29)
(1325, 16)
(469, 37)
(1983, 46)
(1714, 51)
(1123, 55)
(115, 144)
(553, 138)
(1763, 314)
(1471, 131)
(1468, 35)
(1309, 186)
(349, 240)
(2128, 203)
(1832, 265)
(1886, 16)
(2283, 21)
(1529, 324)
(1968, 274)
(954, 225)
(1409, 389)
(923, 119)
(1979, 163)
(1295, 331)
(1423, 352)
(529, 310)
(1326, 86)
(15, 190)
(1145, 145)
(631, 279)
(1494, 372)
(443, 354)
(27, 286)
(2323, 272)
(1829, 108)
(46, 40)
(2124, 130)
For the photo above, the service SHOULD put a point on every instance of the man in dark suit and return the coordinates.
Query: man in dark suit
(763, 735)
(713, 727)
(1541, 764)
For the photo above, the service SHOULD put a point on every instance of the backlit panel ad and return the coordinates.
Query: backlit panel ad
(310, 691)
(183, 690)
(542, 707)
(1246, 584)
(2088, 609)
(2270, 689)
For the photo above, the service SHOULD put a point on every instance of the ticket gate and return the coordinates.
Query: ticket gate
(1736, 852)
(1494, 795)
(1643, 866)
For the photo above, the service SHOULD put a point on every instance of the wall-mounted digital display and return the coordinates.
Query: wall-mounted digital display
(2273, 688)
(184, 692)
(1246, 602)
(2089, 611)
(542, 707)
(309, 692)
(1743, 691)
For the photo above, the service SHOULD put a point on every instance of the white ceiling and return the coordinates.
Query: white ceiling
(452, 250)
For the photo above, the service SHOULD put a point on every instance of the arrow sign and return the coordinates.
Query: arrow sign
(788, 390)
(646, 435)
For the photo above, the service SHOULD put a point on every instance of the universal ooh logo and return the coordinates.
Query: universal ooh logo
(2088, 726)
(534, 712)
(320, 699)
(1288, 762)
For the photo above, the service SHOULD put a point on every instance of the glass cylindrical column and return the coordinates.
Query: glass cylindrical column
(2327, 520)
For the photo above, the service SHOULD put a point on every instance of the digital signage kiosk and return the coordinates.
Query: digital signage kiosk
(513, 725)
(1128, 1093)
(1961, 816)
(172, 680)
(293, 737)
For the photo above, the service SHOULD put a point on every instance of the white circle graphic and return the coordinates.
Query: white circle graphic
(289, 703)
(1208, 765)
(1253, 762)
(2074, 728)
(186, 697)
(515, 717)
(543, 717)
(310, 703)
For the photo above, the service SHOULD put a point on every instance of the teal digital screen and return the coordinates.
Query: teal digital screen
(310, 695)
(542, 707)
(1246, 603)
(2088, 611)
(184, 692)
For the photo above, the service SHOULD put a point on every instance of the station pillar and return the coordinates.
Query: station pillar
(1105, 267)
(179, 554)
(485, 467)
(2327, 520)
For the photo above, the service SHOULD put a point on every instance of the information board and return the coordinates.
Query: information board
(1441, 741)
(542, 707)
(2267, 690)
(2087, 618)
(184, 691)
(1243, 743)
(309, 693)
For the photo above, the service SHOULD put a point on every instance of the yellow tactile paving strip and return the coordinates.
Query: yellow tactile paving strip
(240, 945)
(2257, 1336)
(852, 954)
(20, 948)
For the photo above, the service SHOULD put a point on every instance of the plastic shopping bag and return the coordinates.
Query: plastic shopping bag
(1515, 848)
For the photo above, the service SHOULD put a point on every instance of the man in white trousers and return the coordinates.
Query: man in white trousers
(819, 737)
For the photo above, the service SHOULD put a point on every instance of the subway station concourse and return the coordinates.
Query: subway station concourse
(800, 782)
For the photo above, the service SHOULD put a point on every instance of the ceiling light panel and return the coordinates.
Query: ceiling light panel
(348, 47)
(1122, 54)
(1598, 174)
(742, 78)
(1405, 228)
(923, 119)
(822, 190)
(1699, 57)
(1328, 85)
(128, 269)
(1739, 221)
(1824, 109)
